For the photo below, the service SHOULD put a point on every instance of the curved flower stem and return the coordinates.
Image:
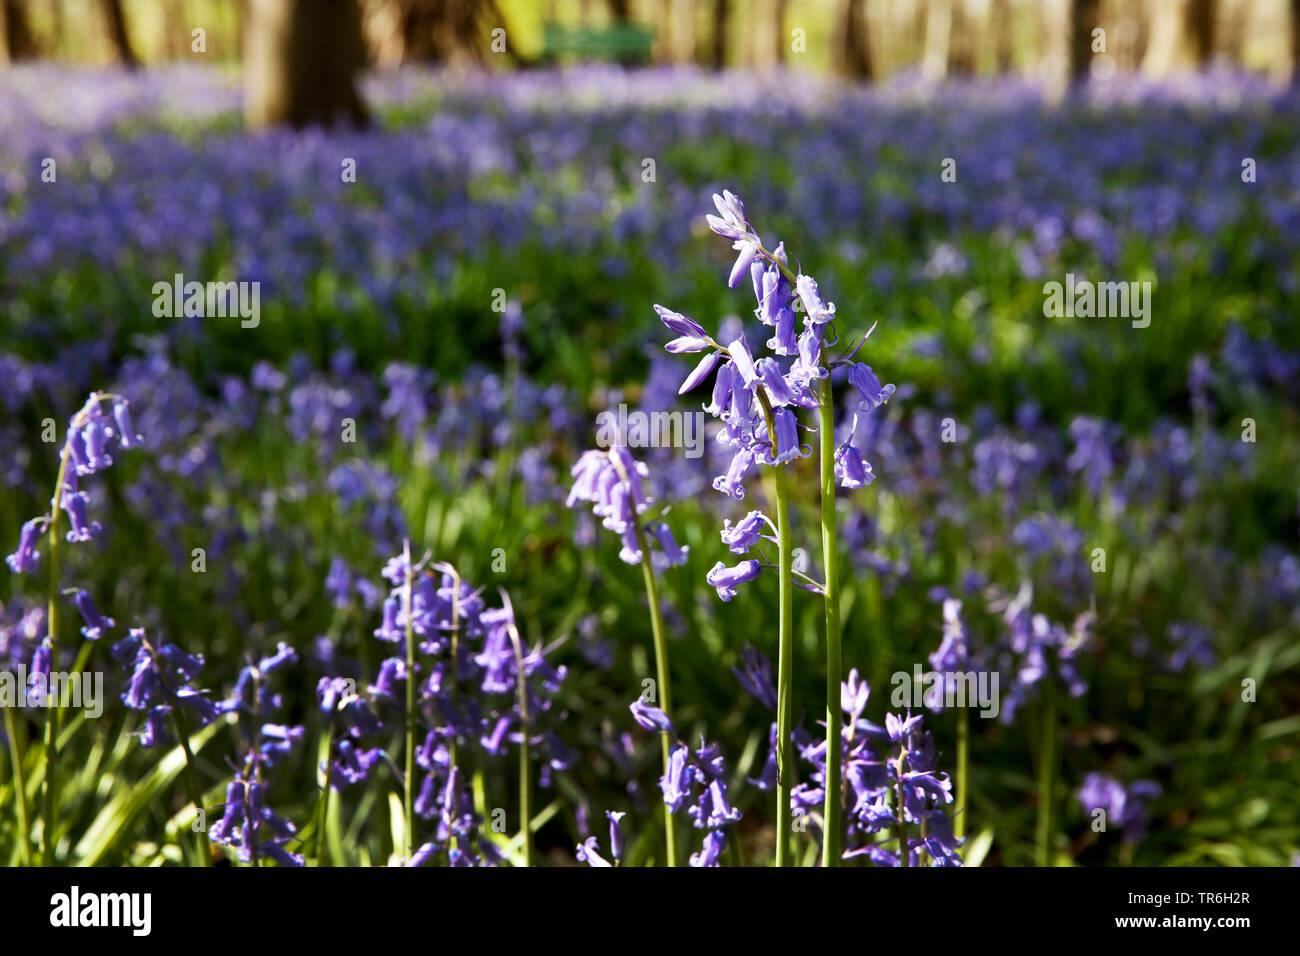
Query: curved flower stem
(1046, 771)
(661, 670)
(183, 733)
(785, 670)
(903, 853)
(52, 707)
(20, 786)
(408, 803)
(785, 645)
(963, 772)
(452, 755)
(661, 659)
(323, 815)
(192, 779)
(254, 855)
(53, 710)
(525, 748)
(832, 840)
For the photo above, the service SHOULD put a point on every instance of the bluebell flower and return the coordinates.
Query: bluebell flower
(1125, 807)
(853, 470)
(745, 533)
(870, 391)
(731, 224)
(701, 372)
(589, 853)
(616, 840)
(787, 445)
(338, 582)
(817, 311)
(683, 325)
(726, 579)
(652, 718)
(161, 676)
(26, 557)
(126, 433)
(755, 676)
(613, 482)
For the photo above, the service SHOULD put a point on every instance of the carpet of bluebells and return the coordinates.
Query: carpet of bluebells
(374, 519)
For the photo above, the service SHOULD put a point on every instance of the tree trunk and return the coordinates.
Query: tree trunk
(1000, 15)
(961, 42)
(1083, 20)
(1055, 57)
(1295, 43)
(1182, 36)
(681, 23)
(302, 60)
(421, 24)
(115, 23)
(852, 54)
(778, 18)
(938, 36)
(436, 31)
(16, 39)
(721, 18)
(1200, 27)
(177, 29)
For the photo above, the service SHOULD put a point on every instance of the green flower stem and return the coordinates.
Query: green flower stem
(785, 646)
(408, 803)
(20, 786)
(196, 795)
(963, 772)
(182, 731)
(661, 660)
(53, 712)
(661, 670)
(52, 707)
(452, 756)
(525, 751)
(785, 669)
(832, 841)
(903, 853)
(323, 814)
(1046, 772)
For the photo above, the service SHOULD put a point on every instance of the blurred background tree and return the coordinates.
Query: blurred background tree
(301, 61)
(302, 56)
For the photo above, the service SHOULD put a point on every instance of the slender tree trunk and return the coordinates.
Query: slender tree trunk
(778, 20)
(852, 54)
(1200, 27)
(1056, 58)
(961, 42)
(1182, 36)
(56, 22)
(1002, 28)
(721, 27)
(177, 31)
(16, 39)
(682, 23)
(421, 22)
(302, 62)
(938, 37)
(1295, 43)
(115, 22)
(1083, 20)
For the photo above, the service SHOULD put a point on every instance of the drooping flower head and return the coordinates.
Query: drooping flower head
(93, 435)
(614, 483)
(757, 398)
